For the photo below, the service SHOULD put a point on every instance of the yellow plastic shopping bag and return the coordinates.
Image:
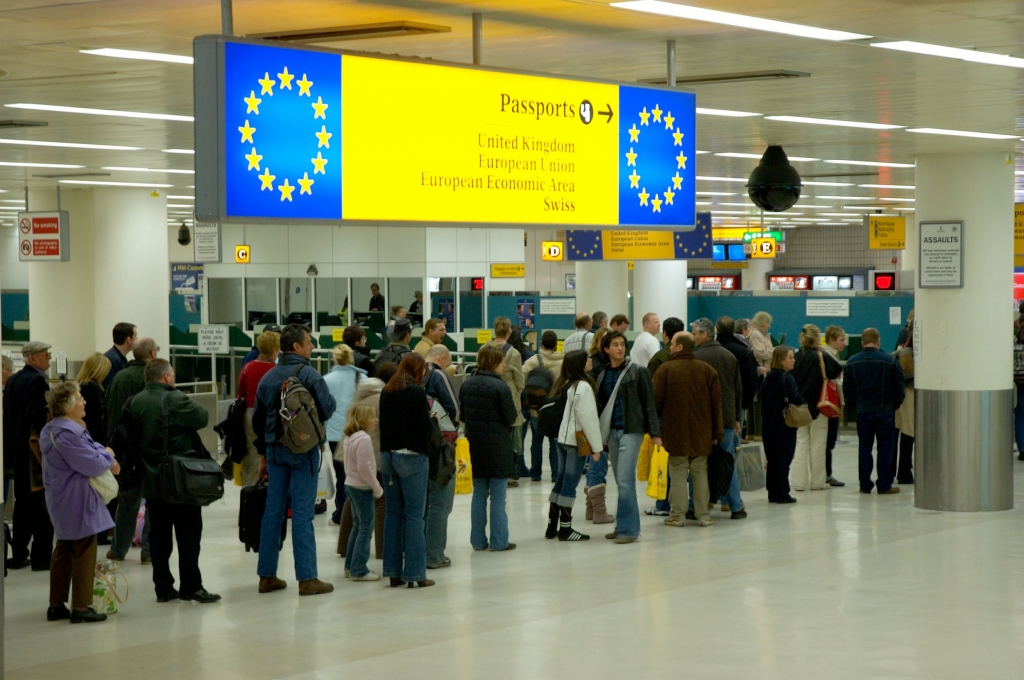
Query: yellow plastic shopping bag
(463, 467)
(236, 469)
(643, 463)
(657, 482)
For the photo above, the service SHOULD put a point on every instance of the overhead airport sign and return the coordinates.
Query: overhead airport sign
(287, 135)
(43, 237)
(886, 232)
(640, 244)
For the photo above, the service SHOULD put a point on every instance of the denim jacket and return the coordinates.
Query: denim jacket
(268, 397)
(873, 382)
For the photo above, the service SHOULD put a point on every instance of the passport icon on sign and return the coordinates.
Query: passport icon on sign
(657, 157)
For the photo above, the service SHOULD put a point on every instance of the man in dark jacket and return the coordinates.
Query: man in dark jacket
(124, 337)
(873, 385)
(128, 383)
(291, 475)
(688, 397)
(624, 422)
(440, 499)
(355, 337)
(728, 339)
(398, 347)
(154, 443)
(25, 415)
(728, 368)
(669, 329)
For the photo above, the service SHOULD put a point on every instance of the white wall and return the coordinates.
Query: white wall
(13, 272)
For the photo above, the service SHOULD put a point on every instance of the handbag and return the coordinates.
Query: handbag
(191, 477)
(105, 484)
(828, 401)
(796, 415)
(720, 468)
(105, 596)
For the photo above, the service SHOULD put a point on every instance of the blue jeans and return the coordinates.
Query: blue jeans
(357, 553)
(880, 426)
(570, 469)
(1018, 418)
(597, 471)
(732, 496)
(495, 488)
(292, 476)
(623, 452)
(405, 490)
(535, 471)
(439, 506)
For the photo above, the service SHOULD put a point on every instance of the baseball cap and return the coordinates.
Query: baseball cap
(271, 328)
(31, 348)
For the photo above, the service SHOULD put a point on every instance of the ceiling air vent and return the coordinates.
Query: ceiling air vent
(744, 76)
(355, 32)
(11, 123)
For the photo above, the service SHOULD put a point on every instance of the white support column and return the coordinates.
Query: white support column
(659, 286)
(755, 276)
(602, 286)
(964, 398)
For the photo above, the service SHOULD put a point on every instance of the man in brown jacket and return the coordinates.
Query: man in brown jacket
(688, 399)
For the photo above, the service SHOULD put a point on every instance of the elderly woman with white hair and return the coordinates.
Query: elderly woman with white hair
(760, 340)
(70, 460)
(342, 382)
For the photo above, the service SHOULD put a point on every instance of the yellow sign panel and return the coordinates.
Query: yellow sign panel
(1018, 235)
(338, 334)
(633, 244)
(242, 254)
(508, 271)
(560, 347)
(552, 251)
(736, 264)
(482, 152)
(483, 337)
(762, 248)
(887, 233)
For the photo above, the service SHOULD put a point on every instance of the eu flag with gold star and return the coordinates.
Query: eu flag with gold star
(584, 244)
(657, 157)
(282, 135)
(694, 244)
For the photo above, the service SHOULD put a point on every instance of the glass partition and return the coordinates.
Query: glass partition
(225, 301)
(297, 301)
(331, 302)
(442, 301)
(406, 293)
(471, 302)
(364, 297)
(260, 302)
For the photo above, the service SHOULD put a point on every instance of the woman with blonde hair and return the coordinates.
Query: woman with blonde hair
(813, 366)
(269, 345)
(342, 382)
(594, 351)
(90, 379)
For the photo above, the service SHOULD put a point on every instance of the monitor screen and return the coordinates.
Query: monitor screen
(845, 282)
(825, 283)
(718, 253)
(736, 252)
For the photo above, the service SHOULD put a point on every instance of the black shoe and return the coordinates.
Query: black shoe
(172, 595)
(552, 529)
(865, 490)
(1020, 456)
(90, 615)
(787, 499)
(570, 534)
(58, 613)
(14, 564)
(908, 480)
(41, 567)
(202, 596)
(742, 514)
(513, 483)
(536, 479)
(691, 515)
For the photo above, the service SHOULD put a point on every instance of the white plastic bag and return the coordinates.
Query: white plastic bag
(749, 468)
(325, 487)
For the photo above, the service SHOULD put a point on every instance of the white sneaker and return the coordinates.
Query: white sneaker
(348, 574)
(368, 576)
(705, 522)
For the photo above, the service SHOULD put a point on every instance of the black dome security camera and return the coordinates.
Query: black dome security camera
(774, 185)
(184, 236)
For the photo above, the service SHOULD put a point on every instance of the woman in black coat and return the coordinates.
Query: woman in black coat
(90, 380)
(779, 439)
(490, 414)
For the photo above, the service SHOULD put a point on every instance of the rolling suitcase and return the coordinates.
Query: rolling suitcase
(250, 517)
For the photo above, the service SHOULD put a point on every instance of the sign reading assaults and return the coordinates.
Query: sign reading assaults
(303, 134)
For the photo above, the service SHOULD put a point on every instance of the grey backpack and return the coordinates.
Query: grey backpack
(300, 423)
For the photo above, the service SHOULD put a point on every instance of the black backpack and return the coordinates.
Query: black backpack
(392, 353)
(549, 416)
(538, 386)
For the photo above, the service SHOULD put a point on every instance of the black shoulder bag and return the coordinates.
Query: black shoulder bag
(188, 478)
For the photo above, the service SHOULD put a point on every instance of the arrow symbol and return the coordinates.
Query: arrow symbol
(608, 113)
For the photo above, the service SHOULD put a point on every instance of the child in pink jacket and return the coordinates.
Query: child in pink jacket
(361, 487)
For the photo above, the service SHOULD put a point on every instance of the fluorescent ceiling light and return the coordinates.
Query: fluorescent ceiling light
(739, 205)
(848, 198)
(179, 205)
(727, 113)
(805, 219)
(100, 112)
(952, 53)
(728, 212)
(834, 214)
(899, 209)
(721, 179)
(899, 200)
(886, 186)
(877, 164)
(716, 193)
(187, 198)
(863, 207)
(171, 171)
(115, 184)
(670, 9)
(12, 200)
(815, 207)
(703, 203)
(145, 56)
(69, 145)
(701, 153)
(826, 184)
(961, 133)
(758, 156)
(188, 151)
(38, 165)
(837, 123)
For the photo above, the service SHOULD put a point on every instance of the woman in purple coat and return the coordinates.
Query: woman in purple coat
(70, 458)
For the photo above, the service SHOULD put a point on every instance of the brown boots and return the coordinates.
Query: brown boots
(589, 514)
(269, 584)
(595, 497)
(314, 586)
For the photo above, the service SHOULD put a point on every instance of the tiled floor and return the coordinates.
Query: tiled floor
(840, 585)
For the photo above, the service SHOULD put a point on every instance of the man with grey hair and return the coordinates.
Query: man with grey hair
(127, 383)
(440, 498)
(8, 368)
(580, 339)
(24, 418)
(743, 331)
(710, 351)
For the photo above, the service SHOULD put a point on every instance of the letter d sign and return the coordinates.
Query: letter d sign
(551, 251)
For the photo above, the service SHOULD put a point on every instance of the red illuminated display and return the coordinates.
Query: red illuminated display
(477, 284)
(885, 281)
